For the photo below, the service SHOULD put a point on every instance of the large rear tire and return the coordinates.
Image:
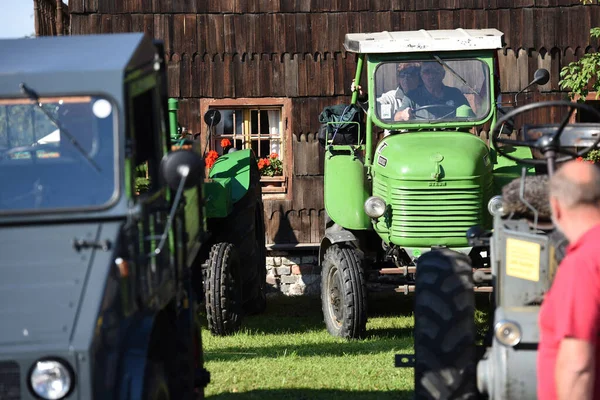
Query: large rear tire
(444, 331)
(222, 289)
(343, 293)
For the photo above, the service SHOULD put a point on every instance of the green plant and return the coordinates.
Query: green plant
(581, 75)
(593, 157)
(270, 166)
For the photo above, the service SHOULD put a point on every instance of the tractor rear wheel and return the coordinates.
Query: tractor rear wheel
(444, 332)
(343, 293)
(222, 289)
(258, 304)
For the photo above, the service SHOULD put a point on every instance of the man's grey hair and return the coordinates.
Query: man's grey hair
(576, 192)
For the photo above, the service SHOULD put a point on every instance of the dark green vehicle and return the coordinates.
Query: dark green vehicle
(96, 291)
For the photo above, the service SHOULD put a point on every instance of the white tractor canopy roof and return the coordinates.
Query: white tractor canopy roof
(423, 41)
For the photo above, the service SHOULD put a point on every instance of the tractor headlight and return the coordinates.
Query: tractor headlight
(508, 333)
(50, 379)
(374, 207)
(495, 206)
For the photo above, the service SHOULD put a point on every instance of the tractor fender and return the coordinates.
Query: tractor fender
(134, 357)
(335, 236)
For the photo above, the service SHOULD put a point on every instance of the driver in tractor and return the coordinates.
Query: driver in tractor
(567, 363)
(408, 78)
(435, 100)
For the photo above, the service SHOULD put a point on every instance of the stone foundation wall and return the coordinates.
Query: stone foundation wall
(293, 274)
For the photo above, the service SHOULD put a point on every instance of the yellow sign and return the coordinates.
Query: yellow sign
(523, 259)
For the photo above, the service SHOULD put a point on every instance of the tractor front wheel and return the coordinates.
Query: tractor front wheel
(343, 293)
(444, 331)
(222, 289)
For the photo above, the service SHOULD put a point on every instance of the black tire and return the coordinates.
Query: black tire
(444, 331)
(155, 382)
(343, 293)
(258, 304)
(222, 289)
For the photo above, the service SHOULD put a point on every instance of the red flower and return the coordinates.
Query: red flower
(274, 155)
(261, 164)
(267, 162)
(225, 143)
(211, 158)
(579, 159)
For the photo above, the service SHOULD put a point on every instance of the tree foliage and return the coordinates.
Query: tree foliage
(584, 74)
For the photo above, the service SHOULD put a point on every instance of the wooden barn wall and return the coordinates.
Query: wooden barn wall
(51, 17)
(293, 48)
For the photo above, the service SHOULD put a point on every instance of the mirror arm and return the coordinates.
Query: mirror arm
(184, 171)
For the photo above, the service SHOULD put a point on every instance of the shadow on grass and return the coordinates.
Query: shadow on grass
(310, 394)
(334, 348)
(303, 313)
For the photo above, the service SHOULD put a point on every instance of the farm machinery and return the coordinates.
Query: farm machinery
(525, 251)
(97, 273)
(424, 183)
(233, 261)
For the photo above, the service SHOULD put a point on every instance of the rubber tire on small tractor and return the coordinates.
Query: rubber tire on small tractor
(222, 290)
(444, 331)
(155, 382)
(245, 228)
(343, 293)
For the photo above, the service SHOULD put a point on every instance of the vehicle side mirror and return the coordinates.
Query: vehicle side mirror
(541, 77)
(212, 117)
(179, 164)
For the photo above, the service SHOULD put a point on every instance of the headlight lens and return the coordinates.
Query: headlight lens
(374, 207)
(508, 333)
(50, 379)
(495, 206)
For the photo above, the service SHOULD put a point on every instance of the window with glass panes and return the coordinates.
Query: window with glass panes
(257, 128)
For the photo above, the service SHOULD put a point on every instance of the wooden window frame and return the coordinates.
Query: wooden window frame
(285, 104)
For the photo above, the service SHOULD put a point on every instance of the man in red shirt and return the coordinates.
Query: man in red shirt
(570, 313)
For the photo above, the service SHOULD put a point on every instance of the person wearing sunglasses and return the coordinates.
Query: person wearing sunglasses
(408, 79)
(440, 101)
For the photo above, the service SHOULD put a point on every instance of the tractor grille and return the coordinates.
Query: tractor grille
(10, 386)
(432, 214)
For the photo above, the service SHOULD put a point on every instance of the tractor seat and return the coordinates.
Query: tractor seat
(535, 193)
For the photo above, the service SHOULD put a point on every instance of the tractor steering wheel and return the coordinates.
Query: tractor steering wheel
(427, 107)
(546, 142)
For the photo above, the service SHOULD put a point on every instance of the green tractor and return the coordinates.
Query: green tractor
(232, 265)
(426, 181)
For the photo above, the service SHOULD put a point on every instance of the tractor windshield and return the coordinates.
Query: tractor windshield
(440, 90)
(61, 156)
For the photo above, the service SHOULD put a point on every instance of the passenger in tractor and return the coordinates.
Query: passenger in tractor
(433, 100)
(569, 349)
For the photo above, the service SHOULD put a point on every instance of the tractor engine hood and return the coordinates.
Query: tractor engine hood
(431, 156)
(47, 273)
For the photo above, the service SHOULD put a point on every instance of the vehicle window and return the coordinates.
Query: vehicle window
(432, 91)
(61, 156)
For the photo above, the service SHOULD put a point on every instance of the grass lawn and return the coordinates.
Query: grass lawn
(286, 353)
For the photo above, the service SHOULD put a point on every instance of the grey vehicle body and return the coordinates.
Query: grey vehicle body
(81, 281)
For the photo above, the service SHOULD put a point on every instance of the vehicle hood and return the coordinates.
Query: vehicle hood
(43, 277)
(431, 156)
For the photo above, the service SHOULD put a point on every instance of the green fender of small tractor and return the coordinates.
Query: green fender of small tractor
(506, 170)
(229, 180)
(346, 188)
